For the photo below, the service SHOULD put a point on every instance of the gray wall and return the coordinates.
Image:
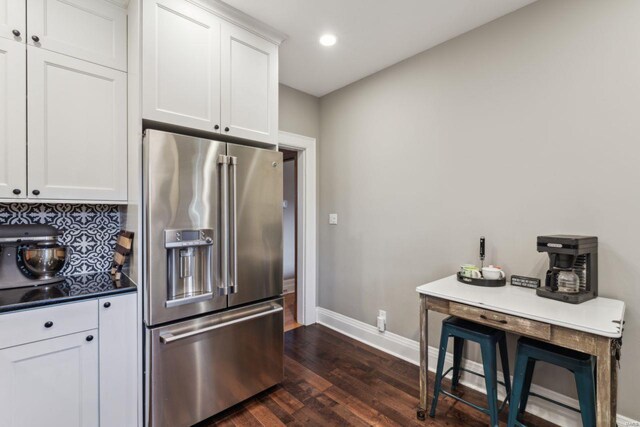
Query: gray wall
(526, 126)
(299, 112)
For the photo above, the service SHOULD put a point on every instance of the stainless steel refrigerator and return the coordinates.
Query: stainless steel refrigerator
(213, 275)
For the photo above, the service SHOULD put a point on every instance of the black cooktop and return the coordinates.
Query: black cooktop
(72, 288)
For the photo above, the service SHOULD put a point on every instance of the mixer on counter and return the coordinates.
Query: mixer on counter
(30, 255)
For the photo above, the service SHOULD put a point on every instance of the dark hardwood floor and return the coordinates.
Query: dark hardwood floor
(333, 380)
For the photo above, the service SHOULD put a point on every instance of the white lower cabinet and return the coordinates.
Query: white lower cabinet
(58, 370)
(118, 361)
(50, 383)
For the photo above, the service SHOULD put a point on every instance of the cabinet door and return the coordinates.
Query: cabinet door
(181, 65)
(50, 383)
(77, 129)
(12, 18)
(118, 361)
(93, 30)
(249, 85)
(13, 120)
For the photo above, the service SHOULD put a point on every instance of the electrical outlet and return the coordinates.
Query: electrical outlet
(333, 219)
(382, 320)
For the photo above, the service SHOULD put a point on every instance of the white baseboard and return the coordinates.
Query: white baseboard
(409, 350)
(289, 285)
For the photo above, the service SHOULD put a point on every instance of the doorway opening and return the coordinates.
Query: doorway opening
(302, 304)
(290, 238)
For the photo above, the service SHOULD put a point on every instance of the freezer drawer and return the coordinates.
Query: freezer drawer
(200, 367)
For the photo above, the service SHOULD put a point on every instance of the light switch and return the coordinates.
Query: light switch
(333, 219)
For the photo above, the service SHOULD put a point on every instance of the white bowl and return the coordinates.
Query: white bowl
(492, 273)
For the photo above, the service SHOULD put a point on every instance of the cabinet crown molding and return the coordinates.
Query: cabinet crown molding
(237, 17)
(122, 3)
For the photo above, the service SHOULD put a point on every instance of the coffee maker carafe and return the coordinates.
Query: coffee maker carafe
(573, 268)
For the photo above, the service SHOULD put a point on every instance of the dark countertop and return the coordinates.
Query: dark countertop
(72, 288)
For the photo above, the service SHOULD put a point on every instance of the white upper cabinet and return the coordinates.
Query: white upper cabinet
(13, 19)
(93, 30)
(52, 382)
(249, 85)
(13, 120)
(181, 64)
(77, 129)
(203, 72)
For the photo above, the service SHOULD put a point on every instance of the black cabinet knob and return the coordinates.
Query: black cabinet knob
(35, 38)
(226, 129)
(107, 304)
(16, 191)
(48, 324)
(16, 33)
(36, 192)
(89, 337)
(216, 127)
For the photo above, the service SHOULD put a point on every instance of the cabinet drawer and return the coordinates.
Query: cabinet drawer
(43, 323)
(506, 322)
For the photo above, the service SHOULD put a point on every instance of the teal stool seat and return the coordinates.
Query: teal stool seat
(582, 365)
(461, 331)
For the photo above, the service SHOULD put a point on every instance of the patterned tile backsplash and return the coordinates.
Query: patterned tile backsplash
(89, 231)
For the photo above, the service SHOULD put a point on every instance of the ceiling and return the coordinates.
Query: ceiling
(372, 34)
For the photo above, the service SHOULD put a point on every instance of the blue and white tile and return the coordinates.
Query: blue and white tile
(89, 230)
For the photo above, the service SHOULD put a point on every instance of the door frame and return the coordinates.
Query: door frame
(306, 262)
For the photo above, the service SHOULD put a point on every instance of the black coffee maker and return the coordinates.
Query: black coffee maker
(573, 268)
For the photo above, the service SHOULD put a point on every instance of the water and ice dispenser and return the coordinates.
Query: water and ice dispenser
(189, 266)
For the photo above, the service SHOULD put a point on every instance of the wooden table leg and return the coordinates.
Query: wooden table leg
(606, 382)
(424, 354)
(614, 391)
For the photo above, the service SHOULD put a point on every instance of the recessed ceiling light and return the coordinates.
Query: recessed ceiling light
(328, 40)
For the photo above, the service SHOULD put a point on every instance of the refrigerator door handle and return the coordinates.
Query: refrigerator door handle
(189, 300)
(233, 226)
(169, 337)
(223, 287)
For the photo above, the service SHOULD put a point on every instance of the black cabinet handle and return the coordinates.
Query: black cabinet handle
(36, 192)
(16, 191)
(48, 324)
(216, 127)
(226, 129)
(16, 33)
(89, 337)
(35, 38)
(107, 304)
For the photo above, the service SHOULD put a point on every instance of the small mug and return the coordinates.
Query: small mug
(493, 273)
(470, 270)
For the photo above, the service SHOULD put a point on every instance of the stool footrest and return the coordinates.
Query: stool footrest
(479, 408)
(469, 371)
(548, 399)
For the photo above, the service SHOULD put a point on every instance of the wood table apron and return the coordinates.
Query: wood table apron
(596, 345)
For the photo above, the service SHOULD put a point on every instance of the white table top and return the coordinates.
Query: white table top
(596, 316)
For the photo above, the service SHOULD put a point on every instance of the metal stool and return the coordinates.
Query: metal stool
(487, 337)
(582, 365)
